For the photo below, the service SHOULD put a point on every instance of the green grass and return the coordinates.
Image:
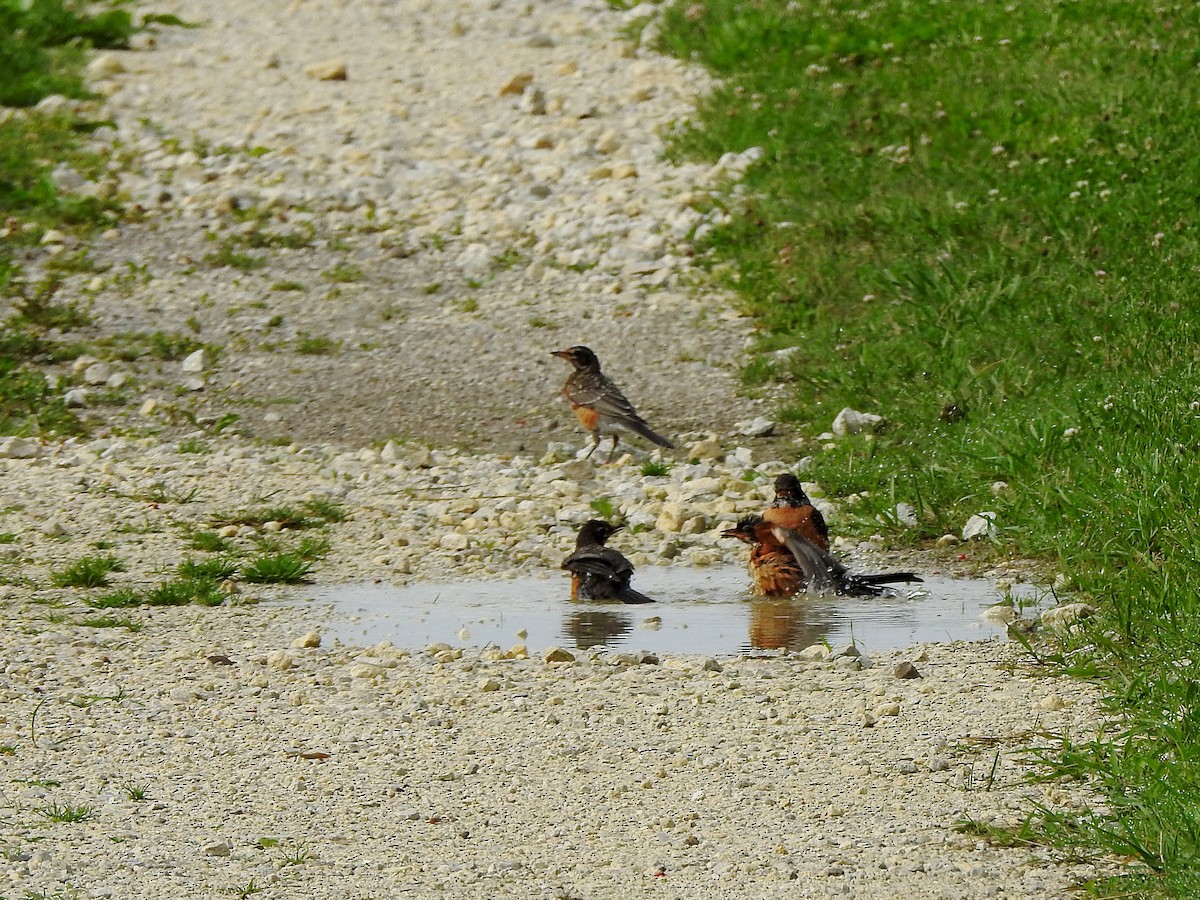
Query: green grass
(315, 344)
(182, 591)
(343, 273)
(84, 701)
(155, 345)
(43, 46)
(113, 622)
(209, 542)
(37, 310)
(185, 590)
(28, 405)
(65, 812)
(228, 256)
(298, 855)
(293, 240)
(326, 510)
(88, 572)
(309, 514)
(603, 507)
(217, 569)
(311, 547)
(122, 598)
(278, 568)
(42, 43)
(978, 222)
(27, 141)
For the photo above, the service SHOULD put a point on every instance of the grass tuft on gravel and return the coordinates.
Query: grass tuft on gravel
(182, 591)
(277, 568)
(309, 514)
(979, 223)
(113, 622)
(187, 589)
(217, 568)
(69, 813)
(88, 572)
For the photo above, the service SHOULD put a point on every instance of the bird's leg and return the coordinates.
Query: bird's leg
(595, 443)
(613, 451)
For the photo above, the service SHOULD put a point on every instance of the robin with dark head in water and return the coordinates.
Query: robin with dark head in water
(598, 404)
(784, 562)
(599, 572)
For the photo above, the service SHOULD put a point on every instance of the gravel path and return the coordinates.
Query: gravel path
(455, 231)
(452, 231)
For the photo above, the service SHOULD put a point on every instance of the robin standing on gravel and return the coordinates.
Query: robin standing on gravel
(792, 509)
(600, 407)
(784, 562)
(599, 572)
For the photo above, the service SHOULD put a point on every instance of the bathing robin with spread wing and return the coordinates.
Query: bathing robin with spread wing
(599, 572)
(784, 562)
(598, 404)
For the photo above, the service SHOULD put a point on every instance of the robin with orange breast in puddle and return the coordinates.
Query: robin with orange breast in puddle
(792, 509)
(598, 404)
(783, 562)
(599, 572)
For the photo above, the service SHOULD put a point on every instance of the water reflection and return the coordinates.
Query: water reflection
(779, 625)
(699, 611)
(596, 628)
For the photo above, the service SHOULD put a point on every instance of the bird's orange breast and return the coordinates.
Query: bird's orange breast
(587, 416)
(797, 518)
(775, 572)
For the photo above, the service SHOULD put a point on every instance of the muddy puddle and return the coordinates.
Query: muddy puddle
(699, 610)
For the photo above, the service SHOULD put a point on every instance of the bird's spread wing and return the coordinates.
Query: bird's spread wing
(598, 561)
(820, 569)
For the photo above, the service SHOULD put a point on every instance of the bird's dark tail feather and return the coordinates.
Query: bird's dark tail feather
(629, 595)
(888, 577)
(644, 430)
(869, 585)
